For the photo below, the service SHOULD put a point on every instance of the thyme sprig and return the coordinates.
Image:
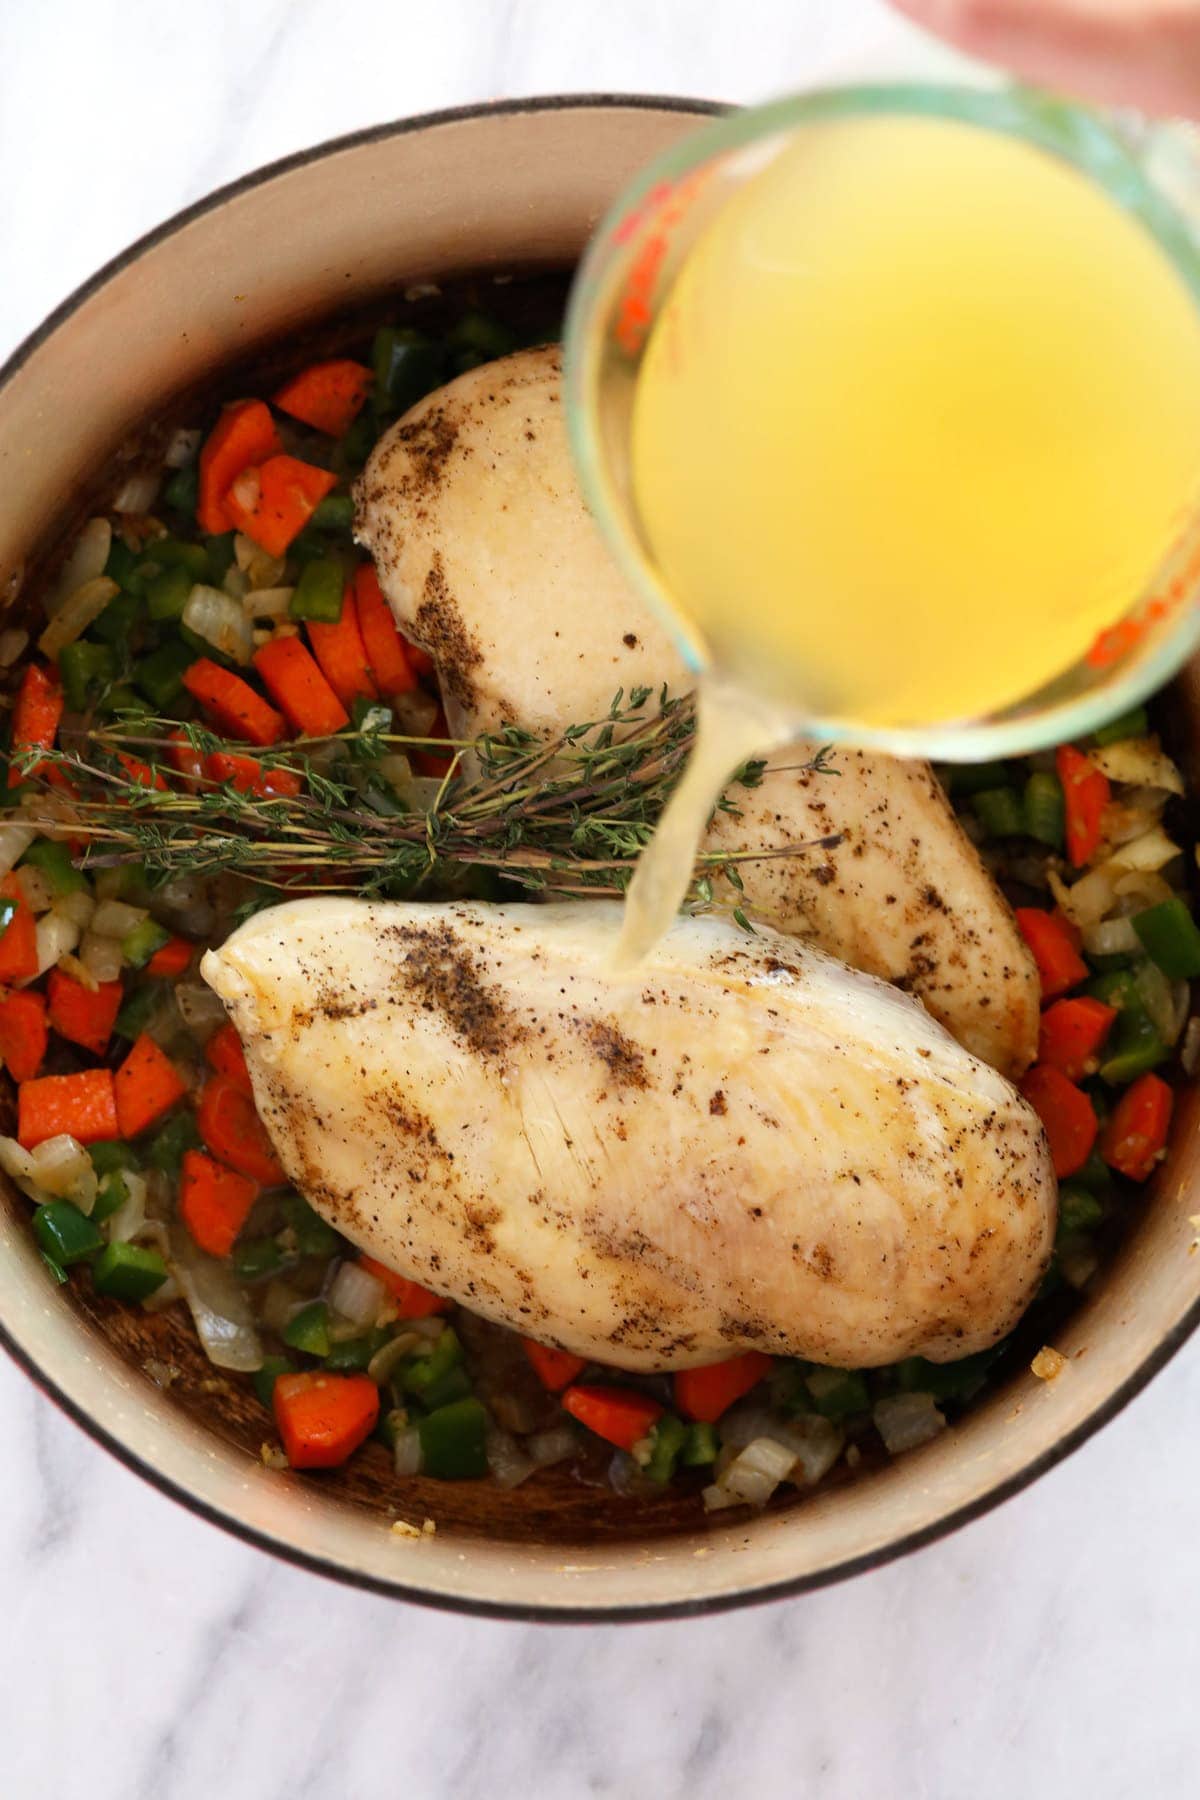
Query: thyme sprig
(566, 816)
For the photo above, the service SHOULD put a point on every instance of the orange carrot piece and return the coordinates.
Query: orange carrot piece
(705, 1394)
(322, 1418)
(433, 762)
(1073, 1034)
(170, 962)
(81, 1016)
(185, 759)
(1086, 792)
(235, 1134)
(340, 650)
(1136, 1134)
(419, 660)
(225, 1056)
(1055, 945)
(1066, 1114)
(214, 1202)
(327, 395)
(244, 434)
(147, 1085)
(274, 502)
(555, 1369)
(36, 716)
(83, 1106)
(24, 1033)
(619, 1415)
(141, 773)
(249, 777)
(18, 939)
(387, 653)
(412, 1300)
(233, 703)
(293, 680)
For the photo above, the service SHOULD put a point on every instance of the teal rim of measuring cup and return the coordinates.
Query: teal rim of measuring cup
(1096, 144)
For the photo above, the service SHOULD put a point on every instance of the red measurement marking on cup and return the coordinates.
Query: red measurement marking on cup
(1118, 640)
(660, 212)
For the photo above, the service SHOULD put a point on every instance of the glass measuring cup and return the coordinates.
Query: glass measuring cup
(629, 273)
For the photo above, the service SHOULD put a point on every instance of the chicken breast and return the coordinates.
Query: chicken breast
(743, 1144)
(489, 558)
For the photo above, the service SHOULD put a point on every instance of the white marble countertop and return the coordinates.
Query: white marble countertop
(1051, 1649)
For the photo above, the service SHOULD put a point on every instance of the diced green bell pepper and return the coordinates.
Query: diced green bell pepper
(407, 365)
(485, 336)
(168, 1146)
(1095, 1176)
(57, 1273)
(160, 675)
(255, 1260)
(116, 623)
(113, 1154)
(1171, 938)
(453, 1442)
(129, 1272)
(124, 702)
(999, 811)
(974, 778)
(334, 513)
(352, 1355)
(1045, 809)
(424, 1373)
(138, 1010)
(314, 1236)
(268, 1374)
(838, 1393)
(1134, 1047)
(1130, 724)
(700, 1447)
(65, 1233)
(53, 858)
(667, 1438)
(318, 593)
(139, 945)
(167, 592)
(85, 668)
(309, 1330)
(121, 561)
(111, 1195)
(1078, 1209)
(220, 552)
(182, 491)
(946, 1381)
(180, 553)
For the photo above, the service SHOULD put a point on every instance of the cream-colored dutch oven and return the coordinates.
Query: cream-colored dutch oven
(488, 190)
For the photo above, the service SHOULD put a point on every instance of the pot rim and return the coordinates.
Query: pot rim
(533, 1613)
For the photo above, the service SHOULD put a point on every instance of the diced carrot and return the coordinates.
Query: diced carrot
(249, 777)
(412, 1300)
(340, 650)
(36, 716)
(233, 703)
(420, 660)
(1067, 1115)
(555, 1369)
(433, 762)
(224, 1054)
(1073, 1033)
(235, 1134)
(141, 773)
(214, 1202)
(387, 653)
(244, 434)
(147, 1085)
(170, 962)
(619, 1415)
(81, 1016)
(82, 1106)
(1086, 792)
(296, 684)
(1136, 1134)
(185, 759)
(705, 1394)
(24, 1033)
(322, 1418)
(1055, 946)
(18, 939)
(327, 395)
(274, 502)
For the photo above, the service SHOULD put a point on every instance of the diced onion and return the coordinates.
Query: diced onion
(1087, 900)
(1138, 762)
(552, 1446)
(1078, 1262)
(87, 559)
(1111, 937)
(116, 919)
(76, 613)
(17, 1163)
(390, 1355)
(199, 1008)
(1151, 851)
(219, 1307)
(101, 956)
(814, 1442)
(506, 1460)
(356, 1294)
(235, 583)
(13, 644)
(1189, 1056)
(56, 937)
(137, 492)
(78, 971)
(129, 1220)
(905, 1420)
(14, 842)
(407, 1451)
(1158, 996)
(36, 890)
(77, 906)
(415, 713)
(752, 1477)
(218, 618)
(62, 1167)
(268, 603)
(181, 449)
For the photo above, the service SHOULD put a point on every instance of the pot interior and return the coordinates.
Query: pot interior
(308, 254)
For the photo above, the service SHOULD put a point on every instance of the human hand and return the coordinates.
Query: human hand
(1143, 53)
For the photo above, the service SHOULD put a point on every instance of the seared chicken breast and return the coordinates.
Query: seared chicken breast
(743, 1144)
(489, 558)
